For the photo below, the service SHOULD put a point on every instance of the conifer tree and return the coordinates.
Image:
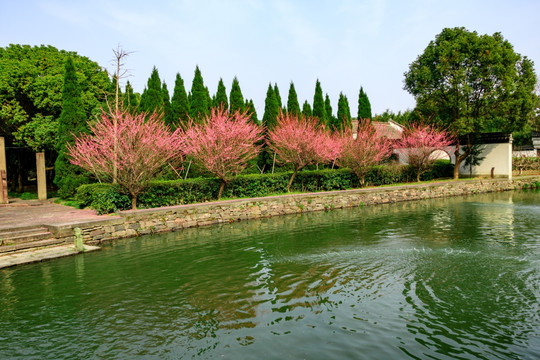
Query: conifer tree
(278, 96)
(221, 96)
(129, 98)
(293, 107)
(271, 109)
(343, 112)
(330, 119)
(306, 109)
(198, 107)
(319, 110)
(250, 106)
(152, 97)
(364, 106)
(167, 111)
(179, 104)
(72, 122)
(237, 100)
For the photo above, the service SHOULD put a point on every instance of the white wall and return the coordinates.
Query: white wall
(497, 156)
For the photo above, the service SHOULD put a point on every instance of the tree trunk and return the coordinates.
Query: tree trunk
(133, 201)
(221, 187)
(418, 176)
(291, 180)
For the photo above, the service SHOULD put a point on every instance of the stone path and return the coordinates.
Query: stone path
(20, 214)
(24, 213)
(32, 256)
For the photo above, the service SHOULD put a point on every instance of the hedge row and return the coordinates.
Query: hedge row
(106, 198)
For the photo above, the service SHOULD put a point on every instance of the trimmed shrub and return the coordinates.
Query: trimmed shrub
(107, 197)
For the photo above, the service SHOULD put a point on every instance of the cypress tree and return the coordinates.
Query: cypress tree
(330, 119)
(293, 107)
(319, 111)
(167, 111)
(221, 96)
(306, 109)
(364, 106)
(179, 103)
(278, 97)
(237, 100)
(198, 107)
(152, 97)
(271, 109)
(72, 121)
(343, 113)
(129, 98)
(252, 112)
(208, 100)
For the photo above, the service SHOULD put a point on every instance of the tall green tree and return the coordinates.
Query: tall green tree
(364, 106)
(319, 110)
(152, 97)
(343, 112)
(221, 96)
(293, 107)
(199, 106)
(271, 109)
(472, 83)
(72, 122)
(278, 96)
(130, 99)
(167, 110)
(250, 106)
(306, 109)
(330, 119)
(237, 100)
(179, 104)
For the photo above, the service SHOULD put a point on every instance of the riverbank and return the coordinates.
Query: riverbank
(98, 229)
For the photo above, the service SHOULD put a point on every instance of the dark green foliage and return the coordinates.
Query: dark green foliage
(293, 107)
(319, 110)
(472, 83)
(250, 106)
(237, 100)
(72, 123)
(343, 113)
(177, 192)
(364, 106)
(278, 96)
(31, 82)
(104, 198)
(152, 97)
(306, 109)
(130, 99)
(221, 96)
(167, 110)
(198, 107)
(330, 119)
(271, 109)
(179, 104)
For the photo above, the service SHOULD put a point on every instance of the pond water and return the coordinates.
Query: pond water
(439, 279)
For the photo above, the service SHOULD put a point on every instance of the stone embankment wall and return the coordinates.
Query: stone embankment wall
(147, 221)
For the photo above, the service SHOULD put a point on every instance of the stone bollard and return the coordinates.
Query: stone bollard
(78, 239)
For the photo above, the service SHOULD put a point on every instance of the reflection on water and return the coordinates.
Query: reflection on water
(456, 278)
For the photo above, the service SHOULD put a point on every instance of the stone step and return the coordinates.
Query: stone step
(18, 236)
(30, 245)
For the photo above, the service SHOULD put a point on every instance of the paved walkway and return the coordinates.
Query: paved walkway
(24, 213)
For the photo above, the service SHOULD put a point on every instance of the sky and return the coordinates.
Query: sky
(345, 44)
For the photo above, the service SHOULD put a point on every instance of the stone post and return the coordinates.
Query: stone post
(41, 177)
(3, 172)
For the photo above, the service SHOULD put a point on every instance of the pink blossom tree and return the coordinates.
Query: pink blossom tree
(369, 148)
(301, 142)
(223, 143)
(418, 143)
(137, 146)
